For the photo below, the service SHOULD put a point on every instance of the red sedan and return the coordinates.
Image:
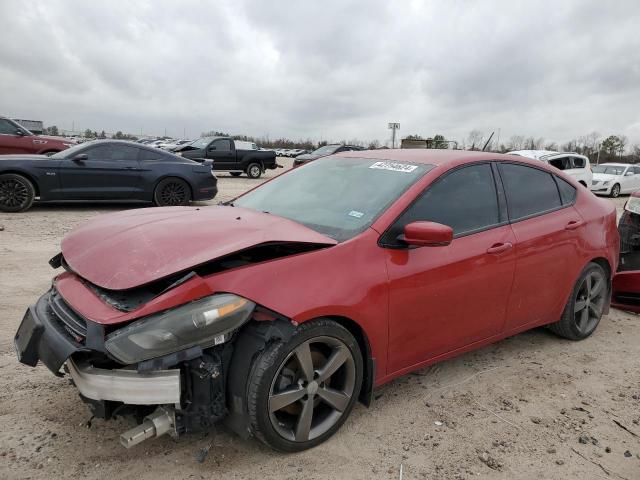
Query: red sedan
(277, 312)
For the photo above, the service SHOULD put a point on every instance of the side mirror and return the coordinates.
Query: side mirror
(80, 158)
(212, 147)
(20, 133)
(427, 234)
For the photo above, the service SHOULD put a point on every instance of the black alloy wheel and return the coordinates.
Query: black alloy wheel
(302, 391)
(16, 193)
(172, 192)
(586, 305)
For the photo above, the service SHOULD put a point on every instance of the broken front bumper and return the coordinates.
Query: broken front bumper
(126, 386)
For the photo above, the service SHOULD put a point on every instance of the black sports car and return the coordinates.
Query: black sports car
(111, 170)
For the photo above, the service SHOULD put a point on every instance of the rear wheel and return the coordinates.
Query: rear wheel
(172, 192)
(254, 170)
(17, 193)
(615, 191)
(584, 309)
(301, 392)
(236, 174)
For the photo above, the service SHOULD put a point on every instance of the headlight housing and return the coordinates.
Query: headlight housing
(633, 205)
(606, 182)
(204, 322)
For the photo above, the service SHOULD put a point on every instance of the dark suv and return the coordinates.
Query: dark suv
(323, 152)
(15, 139)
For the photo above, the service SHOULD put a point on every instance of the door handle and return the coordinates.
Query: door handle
(499, 247)
(572, 225)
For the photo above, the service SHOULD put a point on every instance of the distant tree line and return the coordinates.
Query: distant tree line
(593, 145)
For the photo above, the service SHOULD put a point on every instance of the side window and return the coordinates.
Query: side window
(578, 162)
(567, 191)
(101, 152)
(222, 145)
(563, 163)
(464, 199)
(636, 170)
(529, 191)
(123, 152)
(7, 128)
(145, 154)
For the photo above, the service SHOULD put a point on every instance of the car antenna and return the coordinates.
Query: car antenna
(488, 140)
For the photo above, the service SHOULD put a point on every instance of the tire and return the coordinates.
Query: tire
(235, 174)
(172, 192)
(615, 191)
(280, 396)
(254, 170)
(583, 311)
(17, 193)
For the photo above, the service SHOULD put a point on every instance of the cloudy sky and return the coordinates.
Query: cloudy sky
(330, 69)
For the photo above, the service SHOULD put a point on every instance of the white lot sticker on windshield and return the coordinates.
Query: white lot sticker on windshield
(354, 213)
(394, 167)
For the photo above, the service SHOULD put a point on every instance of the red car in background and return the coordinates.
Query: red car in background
(276, 312)
(626, 283)
(15, 139)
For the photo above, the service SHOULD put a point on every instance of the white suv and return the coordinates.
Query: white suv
(615, 178)
(570, 163)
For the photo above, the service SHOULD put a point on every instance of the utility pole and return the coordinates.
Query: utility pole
(393, 127)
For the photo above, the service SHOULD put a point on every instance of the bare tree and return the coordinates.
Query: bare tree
(475, 139)
(516, 142)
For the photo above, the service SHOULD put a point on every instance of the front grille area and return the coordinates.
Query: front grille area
(73, 323)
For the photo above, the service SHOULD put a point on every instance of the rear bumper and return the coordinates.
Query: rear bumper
(126, 386)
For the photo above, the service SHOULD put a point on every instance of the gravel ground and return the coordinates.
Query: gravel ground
(531, 406)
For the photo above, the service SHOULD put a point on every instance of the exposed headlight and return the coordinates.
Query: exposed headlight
(633, 205)
(606, 182)
(205, 322)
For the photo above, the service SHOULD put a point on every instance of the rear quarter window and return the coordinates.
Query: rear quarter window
(529, 191)
(567, 191)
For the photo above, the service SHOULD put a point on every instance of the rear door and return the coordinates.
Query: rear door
(111, 171)
(546, 228)
(223, 154)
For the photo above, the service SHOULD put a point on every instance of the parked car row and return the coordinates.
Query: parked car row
(290, 152)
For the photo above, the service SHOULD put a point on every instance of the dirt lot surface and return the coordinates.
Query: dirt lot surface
(531, 406)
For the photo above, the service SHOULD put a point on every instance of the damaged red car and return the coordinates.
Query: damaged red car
(277, 312)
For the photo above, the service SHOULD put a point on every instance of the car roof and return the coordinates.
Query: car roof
(432, 156)
(613, 164)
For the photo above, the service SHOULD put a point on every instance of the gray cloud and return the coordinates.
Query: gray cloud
(332, 69)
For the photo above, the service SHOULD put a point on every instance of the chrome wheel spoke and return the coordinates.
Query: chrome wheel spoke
(334, 398)
(283, 399)
(595, 309)
(335, 361)
(584, 319)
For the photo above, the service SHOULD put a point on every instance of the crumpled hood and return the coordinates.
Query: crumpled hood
(132, 248)
(23, 157)
(603, 176)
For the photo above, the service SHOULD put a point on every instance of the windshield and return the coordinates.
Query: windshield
(201, 142)
(609, 169)
(326, 150)
(338, 197)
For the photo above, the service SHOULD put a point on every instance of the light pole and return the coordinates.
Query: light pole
(393, 127)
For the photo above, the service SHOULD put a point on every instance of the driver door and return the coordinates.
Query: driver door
(222, 153)
(109, 171)
(13, 143)
(445, 298)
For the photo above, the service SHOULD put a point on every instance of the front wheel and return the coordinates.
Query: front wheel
(300, 392)
(615, 191)
(584, 309)
(17, 193)
(172, 192)
(254, 170)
